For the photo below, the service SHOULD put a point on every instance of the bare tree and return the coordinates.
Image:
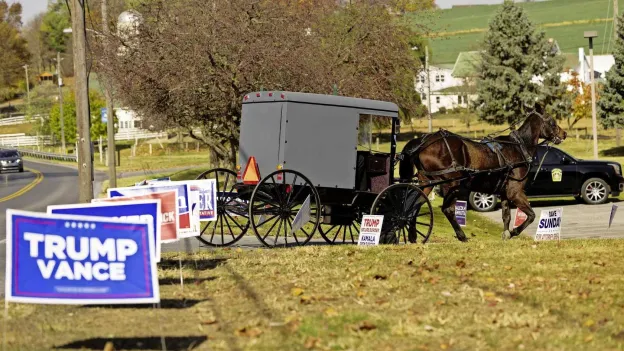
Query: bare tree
(190, 62)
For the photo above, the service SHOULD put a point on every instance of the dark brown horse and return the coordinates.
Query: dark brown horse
(499, 166)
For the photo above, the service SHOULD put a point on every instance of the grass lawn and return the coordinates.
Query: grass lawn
(18, 128)
(462, 28)
(143, 161)
(485, 295)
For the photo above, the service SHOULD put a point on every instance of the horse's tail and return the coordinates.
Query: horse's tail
(410, 159)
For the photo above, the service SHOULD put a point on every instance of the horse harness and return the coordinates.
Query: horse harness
(495, 146)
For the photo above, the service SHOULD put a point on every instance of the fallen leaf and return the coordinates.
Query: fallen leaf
(589, 338)
(410, 262)
(428, 328)
(619, 336)
(366, 326)
(588, 323)
(444, 346)
(305, 300)
(248, 332)
(460, 264)
(446, 293)
(330, 312)
(380, 277)
(508, 268)
(239, 250)
(361, 293)
(296, 291)
(209, 321)
(311, 342)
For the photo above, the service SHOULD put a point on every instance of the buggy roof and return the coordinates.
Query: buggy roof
(365, 106)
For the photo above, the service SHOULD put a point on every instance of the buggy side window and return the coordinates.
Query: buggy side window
(372, 128)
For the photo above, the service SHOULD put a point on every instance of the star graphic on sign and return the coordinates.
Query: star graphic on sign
(66, 224)
(73, 224)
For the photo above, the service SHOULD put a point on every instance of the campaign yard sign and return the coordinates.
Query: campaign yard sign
(188, 224)
(460, 212)
(206, 190)
(70, 259)
(169, 224)
(549, 225)
(138, 210)
(520, 218)
(370, 230)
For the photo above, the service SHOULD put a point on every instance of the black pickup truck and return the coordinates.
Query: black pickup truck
(563, 175)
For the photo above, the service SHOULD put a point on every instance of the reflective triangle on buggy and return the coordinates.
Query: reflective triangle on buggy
(252, 177)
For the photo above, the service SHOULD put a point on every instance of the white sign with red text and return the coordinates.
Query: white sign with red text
(370, 230)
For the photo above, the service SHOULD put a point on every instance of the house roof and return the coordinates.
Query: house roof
(466, 64)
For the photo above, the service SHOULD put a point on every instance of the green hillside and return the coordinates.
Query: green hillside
(462, 28)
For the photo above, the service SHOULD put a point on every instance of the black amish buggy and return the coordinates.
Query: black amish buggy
(306, 163)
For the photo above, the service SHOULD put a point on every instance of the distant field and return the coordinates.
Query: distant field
(565, 20)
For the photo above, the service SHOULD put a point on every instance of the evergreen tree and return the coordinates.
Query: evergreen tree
(553, 93)
(514, 53)
(610, 107)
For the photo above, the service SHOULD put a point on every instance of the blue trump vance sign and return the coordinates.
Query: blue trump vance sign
(70, 259)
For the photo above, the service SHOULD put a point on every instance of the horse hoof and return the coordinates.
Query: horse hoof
(506, 235)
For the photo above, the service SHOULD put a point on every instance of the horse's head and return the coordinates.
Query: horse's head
(549, 129)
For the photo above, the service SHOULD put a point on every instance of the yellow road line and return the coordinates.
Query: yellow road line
(27, 188)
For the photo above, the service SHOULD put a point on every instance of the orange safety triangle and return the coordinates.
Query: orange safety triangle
(252, 177)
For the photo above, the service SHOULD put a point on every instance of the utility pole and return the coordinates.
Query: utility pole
(616, 12)
(85, 160)
(27, 87)
(428, 88)
(591, 35)
(60, 89)
(110, 123)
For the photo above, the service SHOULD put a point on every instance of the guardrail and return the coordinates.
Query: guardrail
(48, 155)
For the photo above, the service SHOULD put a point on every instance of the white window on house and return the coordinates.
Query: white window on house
(437, 99)
(439, 78)
(459, 99)
(137, 124)
(423, 96)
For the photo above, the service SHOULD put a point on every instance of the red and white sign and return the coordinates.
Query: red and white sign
(170, 225)
(520, 218)
(370, 230)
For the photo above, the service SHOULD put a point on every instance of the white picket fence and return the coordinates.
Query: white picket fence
(21, 139)
(138, 134)
(16, 120)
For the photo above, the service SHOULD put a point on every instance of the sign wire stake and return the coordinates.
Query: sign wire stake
(4, 325)
(180, 260)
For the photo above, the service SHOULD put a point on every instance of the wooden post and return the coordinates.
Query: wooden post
(100, 146)
(197, 146)
(186, 146)
(377, 142)
(150, 149)
(106, 157)
(576, 133)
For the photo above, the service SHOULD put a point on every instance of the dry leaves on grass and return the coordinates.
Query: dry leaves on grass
(364, 326)
(250, 332)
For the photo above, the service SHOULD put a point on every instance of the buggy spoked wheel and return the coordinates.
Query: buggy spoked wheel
(232, 220)
(407, 214)
(346, 231)
(277, 209)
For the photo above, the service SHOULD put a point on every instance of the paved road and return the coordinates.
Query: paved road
(40, 185)
(579, 220)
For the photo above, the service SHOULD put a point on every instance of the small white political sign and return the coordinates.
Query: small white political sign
(549, 226)
(370, 230)
(302, 217)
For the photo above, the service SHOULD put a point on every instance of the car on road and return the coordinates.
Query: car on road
(11, 160)
(560, 174)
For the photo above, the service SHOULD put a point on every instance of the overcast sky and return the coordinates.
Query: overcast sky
(33, 7)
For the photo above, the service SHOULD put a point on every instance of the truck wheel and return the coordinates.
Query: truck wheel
(482, 202)
(595, 191)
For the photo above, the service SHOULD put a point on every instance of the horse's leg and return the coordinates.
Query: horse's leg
(506, 216)
(448, 208)
(515, 193)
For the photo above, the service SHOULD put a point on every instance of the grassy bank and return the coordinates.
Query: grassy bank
(486, 295)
